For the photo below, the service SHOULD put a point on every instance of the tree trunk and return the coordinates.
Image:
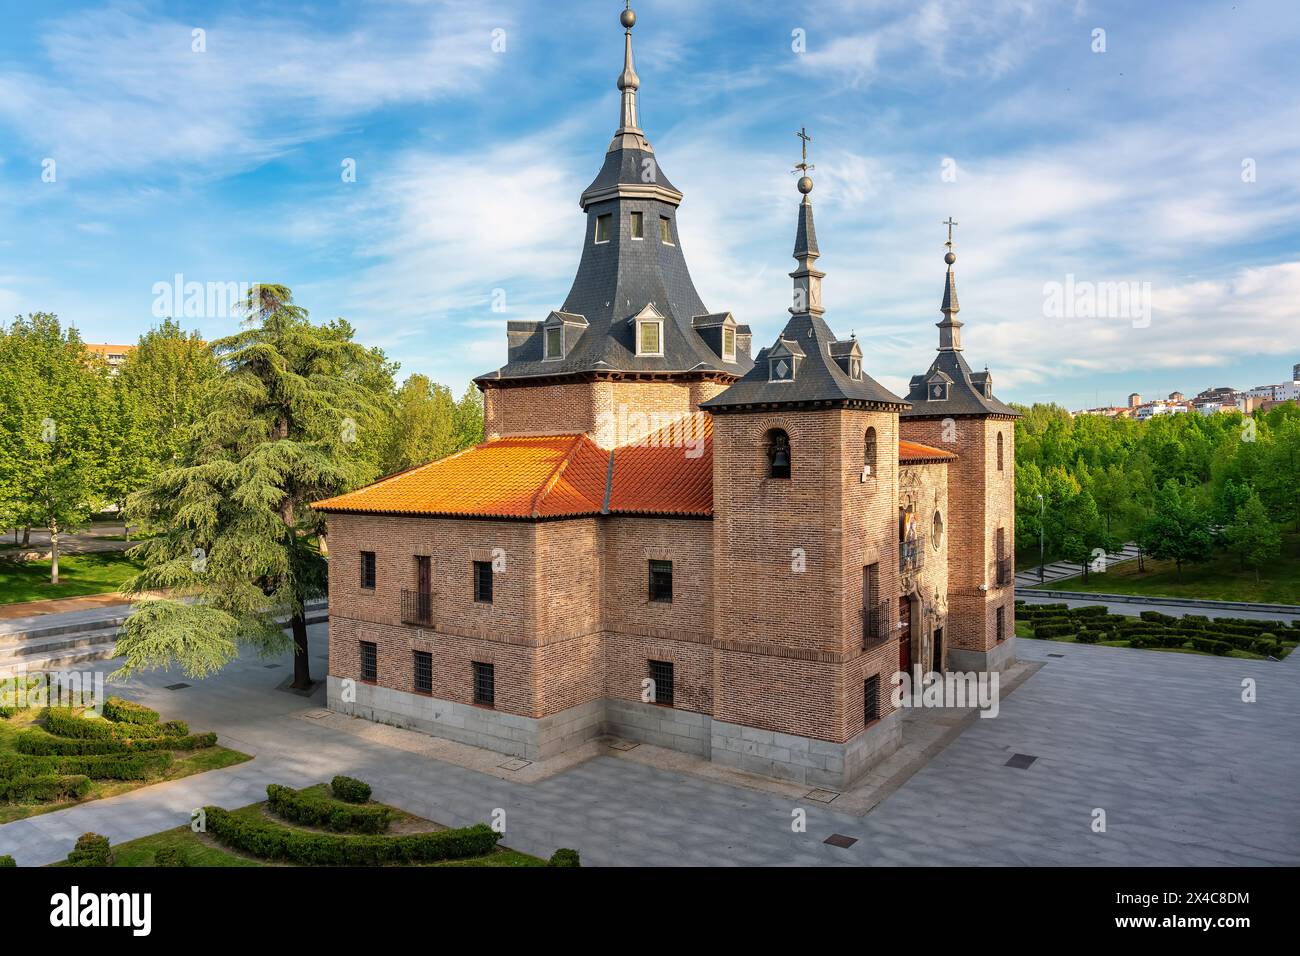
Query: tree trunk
(54, 554)
(27, 535)
(301, 662)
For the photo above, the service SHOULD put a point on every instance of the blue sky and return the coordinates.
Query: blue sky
(1118, 166)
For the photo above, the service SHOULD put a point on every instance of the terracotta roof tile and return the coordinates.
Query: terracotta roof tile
(669, 472)
(912, 451)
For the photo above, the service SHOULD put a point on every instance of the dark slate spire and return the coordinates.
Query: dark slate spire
(632, 271)
(950, 387)
(806, 364)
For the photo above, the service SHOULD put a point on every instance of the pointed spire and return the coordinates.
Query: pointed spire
(807, 279)
(628, 81)
(950, 327)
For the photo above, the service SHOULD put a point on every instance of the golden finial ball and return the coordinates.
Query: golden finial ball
(805, 184)
(950, 257)
(627, 18)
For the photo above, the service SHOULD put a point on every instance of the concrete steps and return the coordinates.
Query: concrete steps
(61, 641)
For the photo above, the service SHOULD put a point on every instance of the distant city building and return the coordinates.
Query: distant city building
(114, 355)
(1175, 396)
(1134, 400)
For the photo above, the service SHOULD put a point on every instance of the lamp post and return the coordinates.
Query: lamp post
(1042, 510)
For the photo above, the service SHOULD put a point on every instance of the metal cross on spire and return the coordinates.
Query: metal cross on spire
(804, 166)
(949, 223)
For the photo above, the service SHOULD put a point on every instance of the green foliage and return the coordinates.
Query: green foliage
(1177, 529)
(350, 789)
(7, 860)
(40, 744)
(128, 712)
(564, 857)
(91, 850)
(137, 766)
(317, 810)
(296, 415)
(171, 855)
(269, 840)
(45, 788)
(1252, 536)
(429, 423)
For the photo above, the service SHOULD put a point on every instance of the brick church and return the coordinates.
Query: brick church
(670, 539)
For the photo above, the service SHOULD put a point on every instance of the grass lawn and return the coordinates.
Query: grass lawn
(78, 574)
(203, 850)
(1219, 579)
(186, 763)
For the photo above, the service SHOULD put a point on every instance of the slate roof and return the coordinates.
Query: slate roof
(818, 377)
(969, 393)
(669, 472)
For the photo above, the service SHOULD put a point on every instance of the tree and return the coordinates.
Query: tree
(236, 538)
(52, 423)
(1252, 536)
(1176, 530)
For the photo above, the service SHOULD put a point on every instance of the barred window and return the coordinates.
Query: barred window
(369, 662)
(661, 581)
(485, 692)
(871, 700)
(1002, 623)
(483, 581)
(423, 672)
(368, 570)
(661, 672)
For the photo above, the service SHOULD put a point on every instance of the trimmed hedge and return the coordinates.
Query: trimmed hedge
(139, 766)
(170, 855)
(564, 857)
(45, 788)
(128, 712)
(91, 850)
(350, 789)
(317, 810)
(39, 744)
(7, 860)
(268, 840)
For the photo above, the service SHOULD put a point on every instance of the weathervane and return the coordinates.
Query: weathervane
(805, 181)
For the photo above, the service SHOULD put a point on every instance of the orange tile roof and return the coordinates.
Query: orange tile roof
(668, 472)
(912, 451)
(523, 477)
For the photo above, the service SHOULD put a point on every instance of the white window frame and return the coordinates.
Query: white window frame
(633, 217)
(666, 226)
(658, 323)
(771, 368)
(546, 338)
(728, 354)
(605, 218)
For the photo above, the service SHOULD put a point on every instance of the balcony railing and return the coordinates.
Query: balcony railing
(875, 624)
(1004, 572)
(911, 553)
(417, 607)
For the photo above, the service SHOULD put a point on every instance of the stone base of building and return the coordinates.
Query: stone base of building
(803, 760)
(997, 658)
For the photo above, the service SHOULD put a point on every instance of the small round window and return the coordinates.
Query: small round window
(936, 530)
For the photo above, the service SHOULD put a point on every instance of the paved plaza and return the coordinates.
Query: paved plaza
(1186, 772)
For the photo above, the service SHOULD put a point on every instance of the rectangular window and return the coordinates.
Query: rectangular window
(729, 344)
(554, 342)
(661, 674)
(369, 662)
(483, 582)
(665, 230)
(638, 231)
(649, 338)
(368, 570)
(423, 672)
(602, 228)
(871, 616)
(871, 700)
(1002, 623)
(661, 581)
(485, 689)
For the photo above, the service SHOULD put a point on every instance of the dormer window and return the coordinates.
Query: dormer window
(782, 369)
(729, 344)
(555, 342)
(637, 226)
(602, 228)
(938, 392)
(665, 231)
(649, 329)
(855, 368)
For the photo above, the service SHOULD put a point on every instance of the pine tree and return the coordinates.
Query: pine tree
(236, 537)
(1252, 536)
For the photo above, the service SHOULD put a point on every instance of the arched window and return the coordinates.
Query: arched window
(999, 451)
(778, 454)
(936, 530)
(869, 452)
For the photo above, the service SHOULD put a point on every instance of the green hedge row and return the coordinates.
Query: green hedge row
(139, 766)
(350, 789)
(318, 810)
(40, 744)
(45, 788)
(91, 850)
(269, 840)
(128, 712)
(64, 722)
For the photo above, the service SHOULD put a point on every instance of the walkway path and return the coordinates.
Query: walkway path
(1187, 773)
(1064, 570)
(1136, 607)
(97, 538)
